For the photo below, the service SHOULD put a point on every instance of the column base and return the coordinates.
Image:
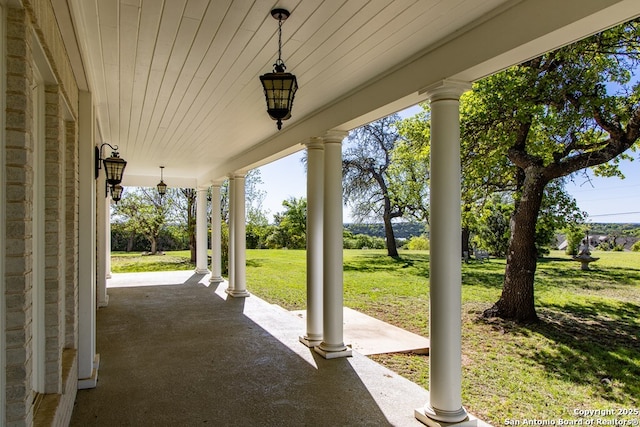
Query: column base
(437, 418)
(201, 271)
(310, 342)
(92, 381)
(216, 279)
(104, 303)
(329, 351)
(237, 294)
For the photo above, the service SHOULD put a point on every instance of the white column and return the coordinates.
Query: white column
(239, 239)
(333, 345)
(108, 241)
(102, 204)
(87, 366)
(315, 196)
(445, 301)
(230, 254)
(216, 236)
(201, 231)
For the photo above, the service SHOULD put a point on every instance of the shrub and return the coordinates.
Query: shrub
(362, 241)
(574, 234)
(418, 243)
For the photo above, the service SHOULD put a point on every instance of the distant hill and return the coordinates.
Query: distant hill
(402, 230)
(406, 230)
(615, 228)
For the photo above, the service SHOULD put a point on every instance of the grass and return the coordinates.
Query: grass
(130, 262)
(584, 353)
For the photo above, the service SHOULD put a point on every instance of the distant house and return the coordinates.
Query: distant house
(598, 241)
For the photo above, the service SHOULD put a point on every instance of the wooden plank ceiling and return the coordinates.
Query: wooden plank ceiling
(176, 82)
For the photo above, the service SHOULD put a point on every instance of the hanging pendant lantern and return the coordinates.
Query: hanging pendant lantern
(162, 187)
(279, 86)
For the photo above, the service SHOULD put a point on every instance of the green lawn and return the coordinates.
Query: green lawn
(584, 354)
(131, 262)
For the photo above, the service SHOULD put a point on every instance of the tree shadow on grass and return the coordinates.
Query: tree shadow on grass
(484, 278)
(486, 274)
(560, 272)
(378, 262)
(596, 344)
(256, 262)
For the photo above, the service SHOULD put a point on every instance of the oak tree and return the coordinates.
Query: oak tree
(366, 175)
(550, 118)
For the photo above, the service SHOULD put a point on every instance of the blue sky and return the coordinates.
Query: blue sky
(604, 199)
(610, 199)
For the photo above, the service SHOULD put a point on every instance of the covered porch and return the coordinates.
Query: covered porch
(177, 350)
(174, 86)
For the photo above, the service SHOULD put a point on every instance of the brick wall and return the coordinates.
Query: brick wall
(54, 239)
(60, 217)
(56, 409)
(46, 27)
(19, 199)
(71, 232)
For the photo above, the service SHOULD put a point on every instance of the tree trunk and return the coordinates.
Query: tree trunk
(517, 299)
(392, 249)
(193, 247)
(130, 242)
(466, 235)
(190, 195)
(154, 246)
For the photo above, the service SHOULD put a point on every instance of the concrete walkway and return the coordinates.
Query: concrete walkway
(176, 352)
(364, 334)
(368, 335)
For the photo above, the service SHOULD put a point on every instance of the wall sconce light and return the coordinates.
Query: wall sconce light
(113, 166)
(162, 187)
(116, 193)
(279, 86)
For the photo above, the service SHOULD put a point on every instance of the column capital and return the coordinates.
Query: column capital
(235, 175)
(335, 136)
(314, 142)
(446, 89)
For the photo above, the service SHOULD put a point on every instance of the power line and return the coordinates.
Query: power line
(603, 188)
(602, 199)
(615, 214)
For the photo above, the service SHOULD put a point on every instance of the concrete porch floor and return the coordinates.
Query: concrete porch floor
(175, 351)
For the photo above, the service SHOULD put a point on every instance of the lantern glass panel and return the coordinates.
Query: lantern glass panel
(114, 168)
(279, 90)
